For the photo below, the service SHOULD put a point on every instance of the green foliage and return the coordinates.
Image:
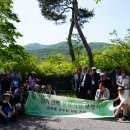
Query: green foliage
(97, 1)
(77, 46)
(56, 65)
(8, 32)
(9, 52)
(118, 54)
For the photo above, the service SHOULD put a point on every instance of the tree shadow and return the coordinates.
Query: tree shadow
(113, 119)
(30, 122)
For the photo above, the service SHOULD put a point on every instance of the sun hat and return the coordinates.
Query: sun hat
(7, 93)
(94, 68)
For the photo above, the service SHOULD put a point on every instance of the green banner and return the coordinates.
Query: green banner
(50, 105)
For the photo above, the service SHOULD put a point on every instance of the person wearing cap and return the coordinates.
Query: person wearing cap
(95, 78)
(124, 104)
(102, 93)
(7, 108)
(43, 89)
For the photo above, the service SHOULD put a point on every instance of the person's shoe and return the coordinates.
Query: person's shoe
(125, 118)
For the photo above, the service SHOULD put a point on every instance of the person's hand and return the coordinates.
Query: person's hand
(13, 113)
(88, 92)
(113, 100)
(116, 114)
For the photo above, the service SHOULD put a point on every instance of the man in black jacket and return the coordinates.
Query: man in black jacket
(86, 84)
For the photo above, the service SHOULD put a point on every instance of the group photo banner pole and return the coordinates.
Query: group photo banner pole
(39, 104)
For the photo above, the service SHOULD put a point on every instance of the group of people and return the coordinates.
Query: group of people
(92, 84)
(14, 90)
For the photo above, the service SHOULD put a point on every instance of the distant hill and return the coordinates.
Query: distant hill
(37, 46)
(98, 45)
(42, 51)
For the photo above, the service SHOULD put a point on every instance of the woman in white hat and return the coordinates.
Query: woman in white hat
(7, 109)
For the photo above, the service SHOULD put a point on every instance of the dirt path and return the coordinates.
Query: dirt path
(54, 123)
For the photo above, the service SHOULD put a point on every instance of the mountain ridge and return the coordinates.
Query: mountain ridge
(43, 51)
(37, 46)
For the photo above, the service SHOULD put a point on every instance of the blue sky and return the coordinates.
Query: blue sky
(109, 15)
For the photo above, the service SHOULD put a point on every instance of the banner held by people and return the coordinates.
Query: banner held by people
(39, 104)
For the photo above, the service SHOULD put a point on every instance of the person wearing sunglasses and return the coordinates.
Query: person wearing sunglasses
(124, 105)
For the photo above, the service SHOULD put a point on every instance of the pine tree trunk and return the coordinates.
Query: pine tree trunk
(88, 49)
(72, 54)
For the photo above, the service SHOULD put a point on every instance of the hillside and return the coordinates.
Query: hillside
(37, 46)
(42, 51)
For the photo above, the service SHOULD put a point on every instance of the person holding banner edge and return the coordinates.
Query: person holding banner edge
(102, 93)
(124, 104)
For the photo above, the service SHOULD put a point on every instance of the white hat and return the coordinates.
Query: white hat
(94, 68)
(7, 93)
(33, 72)
(102, 74)
(98, 71)
(43, 86)
(120, 88)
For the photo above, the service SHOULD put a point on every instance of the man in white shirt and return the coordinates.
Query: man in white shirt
(102, 93)
(124, 104)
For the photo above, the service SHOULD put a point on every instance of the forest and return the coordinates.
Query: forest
(63, 59)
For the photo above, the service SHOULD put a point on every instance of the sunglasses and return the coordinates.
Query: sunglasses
(120, 90)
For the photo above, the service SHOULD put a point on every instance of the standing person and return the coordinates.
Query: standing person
(2, 88)
(106, 72)
(50, 90)
(85, 88)
(102, 93)
(114, 76)
(6, 83)
(124, 104)
(7, 108)
(124, 81)
(32, 80)
(15, 79)
(95, 78)
(77, 79)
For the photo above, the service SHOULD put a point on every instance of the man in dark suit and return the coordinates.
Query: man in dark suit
(86, 84)
(95, 78)
(77, 79)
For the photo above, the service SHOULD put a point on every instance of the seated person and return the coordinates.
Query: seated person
(50, 90)
(36, 88)
(7, 108)
(124, 104)
(43, 89)
(20, 99)
(102, 93)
